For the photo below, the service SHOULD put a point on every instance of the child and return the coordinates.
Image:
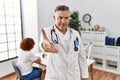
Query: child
(26, 58)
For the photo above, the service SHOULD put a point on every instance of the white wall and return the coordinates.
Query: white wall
(6, 67)
(30, 19)
(30, 30)
(106, 13)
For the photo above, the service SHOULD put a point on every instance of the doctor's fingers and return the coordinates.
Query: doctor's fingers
(46, 45)
(51, 48)
(44, 34)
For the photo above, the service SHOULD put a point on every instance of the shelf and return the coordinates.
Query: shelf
(98, 66)
(111, 66)
(98, 63)
(106, 57)
(111, 69)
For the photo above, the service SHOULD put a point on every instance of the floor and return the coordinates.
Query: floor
(97, 75)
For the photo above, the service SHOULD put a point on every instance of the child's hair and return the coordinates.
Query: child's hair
(27, 44)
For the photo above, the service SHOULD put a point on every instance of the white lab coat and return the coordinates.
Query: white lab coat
(66, 65)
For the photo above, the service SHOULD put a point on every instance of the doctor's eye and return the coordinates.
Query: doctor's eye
(66, 17)
(60, 17)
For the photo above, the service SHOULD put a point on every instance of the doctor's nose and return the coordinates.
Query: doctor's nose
(63, 20)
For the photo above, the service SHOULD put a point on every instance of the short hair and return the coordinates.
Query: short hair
(61, 7)
(27, 44)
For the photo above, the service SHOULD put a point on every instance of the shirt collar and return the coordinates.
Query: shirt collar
(65, 36)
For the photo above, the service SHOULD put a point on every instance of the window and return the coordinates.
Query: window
(10, 29)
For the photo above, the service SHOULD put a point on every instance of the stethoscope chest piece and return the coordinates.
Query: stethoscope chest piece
(76, 48)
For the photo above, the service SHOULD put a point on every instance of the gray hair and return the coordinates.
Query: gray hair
(61, 7)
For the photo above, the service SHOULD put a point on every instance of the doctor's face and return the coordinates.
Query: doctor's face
(61, 19)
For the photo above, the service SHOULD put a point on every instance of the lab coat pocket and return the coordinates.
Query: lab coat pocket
(75, 52)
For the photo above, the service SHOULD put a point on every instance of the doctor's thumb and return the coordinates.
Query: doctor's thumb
(44, 34)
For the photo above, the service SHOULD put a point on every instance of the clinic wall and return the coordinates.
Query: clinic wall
(46, 10)
(6, 67)
(30, 29)
(30, 20)
(106, 13)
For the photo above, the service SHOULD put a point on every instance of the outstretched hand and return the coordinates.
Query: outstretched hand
(47, 45)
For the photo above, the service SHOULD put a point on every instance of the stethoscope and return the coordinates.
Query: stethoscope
(54, 39)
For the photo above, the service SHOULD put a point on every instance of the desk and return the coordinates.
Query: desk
(43, 63)
(43, 59)
(90, 64)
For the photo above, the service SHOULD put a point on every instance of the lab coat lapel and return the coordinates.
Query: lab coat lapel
(62, 43)
(60, 40)
(71, 48)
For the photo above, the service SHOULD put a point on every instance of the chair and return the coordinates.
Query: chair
(89, 60)
(17, 71)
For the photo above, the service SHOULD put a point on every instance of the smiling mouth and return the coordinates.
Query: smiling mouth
(63, 25)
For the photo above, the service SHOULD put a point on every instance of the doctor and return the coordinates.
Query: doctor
(66, 57)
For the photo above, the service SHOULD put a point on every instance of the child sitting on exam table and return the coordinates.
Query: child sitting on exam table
(26, 58)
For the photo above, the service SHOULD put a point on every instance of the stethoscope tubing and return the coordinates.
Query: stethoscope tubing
(55, 40)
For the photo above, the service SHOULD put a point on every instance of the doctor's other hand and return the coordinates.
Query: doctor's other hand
(47, 45)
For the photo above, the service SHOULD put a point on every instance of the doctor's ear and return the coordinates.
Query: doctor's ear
(54, 17)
